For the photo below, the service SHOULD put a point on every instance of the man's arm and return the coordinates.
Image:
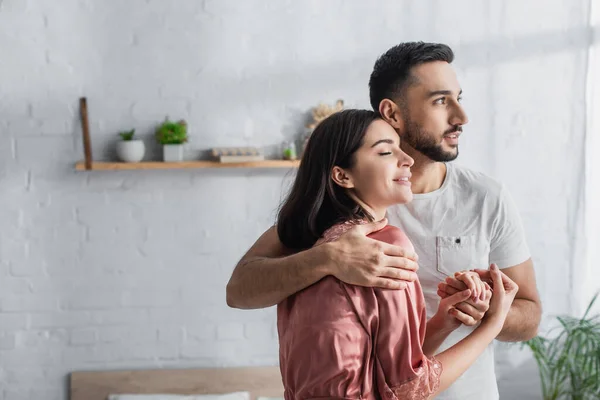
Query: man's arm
(524, 317)
(268, 273)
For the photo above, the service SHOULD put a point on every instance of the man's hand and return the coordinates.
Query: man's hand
(360, 260)
(472, 310)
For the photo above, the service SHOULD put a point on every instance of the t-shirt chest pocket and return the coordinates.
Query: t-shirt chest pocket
(455, 253)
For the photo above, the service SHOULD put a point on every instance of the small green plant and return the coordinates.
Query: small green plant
(569, 364)
(127, 135)
(170, 132)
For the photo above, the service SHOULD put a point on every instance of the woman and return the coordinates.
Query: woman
(343, 341)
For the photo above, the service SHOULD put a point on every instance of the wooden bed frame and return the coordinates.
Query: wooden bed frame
(259, 381)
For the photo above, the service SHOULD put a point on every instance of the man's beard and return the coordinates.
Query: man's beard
(425, 143)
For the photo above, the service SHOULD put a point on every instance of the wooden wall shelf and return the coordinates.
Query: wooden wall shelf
(121, 166)
(90, 165)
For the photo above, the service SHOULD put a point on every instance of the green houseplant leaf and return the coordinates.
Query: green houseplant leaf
(170, 132)
(127, 135)
(569, 363)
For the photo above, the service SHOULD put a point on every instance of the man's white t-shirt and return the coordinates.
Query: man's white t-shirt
(469, 222)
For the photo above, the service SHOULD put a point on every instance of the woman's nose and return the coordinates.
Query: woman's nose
(404, 160)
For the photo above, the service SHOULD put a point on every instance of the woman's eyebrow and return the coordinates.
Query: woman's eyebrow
(390, 141)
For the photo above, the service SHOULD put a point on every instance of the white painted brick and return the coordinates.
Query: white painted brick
(11, 250)
(258, 330)
(28, 303)
(163, 351)
(23, 376)
(119, 317)
(11, 322)
(25, 268)
(83, 336)
(7, 341)
(40, 338)
(200, 332)
(171, 335)
(60, 319)
(170, 316)
(96, 300)
(77, 355)
(150, 298)
(43, 356)
(55, 149)
(134, 335)
(105, 216)
(16, 286)
(209, 349)
(26, 393)
(230, 331)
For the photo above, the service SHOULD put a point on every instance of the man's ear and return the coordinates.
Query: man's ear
(390, 112)
(342, 178)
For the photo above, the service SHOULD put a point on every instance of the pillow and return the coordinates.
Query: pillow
(227, 396)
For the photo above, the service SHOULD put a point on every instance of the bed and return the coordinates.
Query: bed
(98, 385)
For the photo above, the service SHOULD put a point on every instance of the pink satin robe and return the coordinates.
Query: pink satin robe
(341, 341)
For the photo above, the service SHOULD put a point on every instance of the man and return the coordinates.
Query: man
(459, 219)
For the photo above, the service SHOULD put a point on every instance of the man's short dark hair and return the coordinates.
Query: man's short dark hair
(392, 71)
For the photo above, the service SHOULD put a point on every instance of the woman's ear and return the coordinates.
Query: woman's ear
(342, 178)
(390, 112)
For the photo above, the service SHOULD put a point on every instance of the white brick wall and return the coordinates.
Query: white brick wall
(111, 270)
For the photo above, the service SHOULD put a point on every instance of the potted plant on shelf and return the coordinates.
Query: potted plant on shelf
(172, 135)
(569, 363)
(130, 149)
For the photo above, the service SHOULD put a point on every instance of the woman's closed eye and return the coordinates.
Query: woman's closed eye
(387, 153)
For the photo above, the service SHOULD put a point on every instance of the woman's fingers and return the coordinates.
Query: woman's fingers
(457, 298)
(497, 283)
(509, 285)
(450, 290)
(462, 317)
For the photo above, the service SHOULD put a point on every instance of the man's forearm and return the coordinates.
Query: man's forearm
(522, 321)
(261, 282)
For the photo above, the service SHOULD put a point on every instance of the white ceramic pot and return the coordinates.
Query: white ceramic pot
(131, 150)
(172, 152)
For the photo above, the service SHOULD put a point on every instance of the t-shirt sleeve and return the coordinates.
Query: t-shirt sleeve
(508, 246)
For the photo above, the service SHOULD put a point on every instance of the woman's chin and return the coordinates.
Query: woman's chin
(404, 198)
(400, 199)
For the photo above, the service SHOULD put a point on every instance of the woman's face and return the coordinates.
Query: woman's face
(380, 176)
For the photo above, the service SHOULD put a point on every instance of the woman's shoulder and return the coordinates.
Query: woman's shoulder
(392, 235)
(389, 234)
(334, 232)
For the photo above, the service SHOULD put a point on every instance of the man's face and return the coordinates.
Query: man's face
(432, 113)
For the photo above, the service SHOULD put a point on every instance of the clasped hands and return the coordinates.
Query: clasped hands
(465, 297)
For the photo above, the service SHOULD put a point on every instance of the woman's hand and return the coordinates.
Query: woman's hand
(447, 316)
(504, 292)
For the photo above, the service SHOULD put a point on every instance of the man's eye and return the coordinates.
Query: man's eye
(459, 99)
(441, 100)
(387, 153)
